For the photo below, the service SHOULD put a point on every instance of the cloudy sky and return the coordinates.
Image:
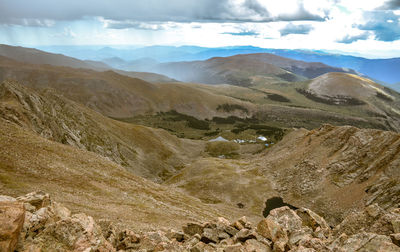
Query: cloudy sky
(370, 28)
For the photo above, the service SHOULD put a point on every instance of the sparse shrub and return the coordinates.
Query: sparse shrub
(228, 149)
(238, 81)
(192, 122)
(277, 97)
(227, 120)
(212, 133)
(288, 77)
(231, 107)
(198, 124)
(234, 119)
(336, 100)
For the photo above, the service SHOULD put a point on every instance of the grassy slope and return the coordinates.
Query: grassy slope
(300, 111)
(332, 170)
(147, 152)
(34, 56)
(116, 95)
(237, 71)
(87, 182)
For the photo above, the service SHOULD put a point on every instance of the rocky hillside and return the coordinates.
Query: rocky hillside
(332, 170)
(147, 152)
(336, 169)
(87, 182)
(35, 222)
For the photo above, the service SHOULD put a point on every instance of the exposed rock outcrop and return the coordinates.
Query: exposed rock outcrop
(336, 170)
(48, 226)
(12, 214)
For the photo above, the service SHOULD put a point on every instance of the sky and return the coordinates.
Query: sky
(369, 28)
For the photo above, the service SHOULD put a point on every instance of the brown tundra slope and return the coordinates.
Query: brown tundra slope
(116, 95)
(332, 170)
(87, 182)
(151, 153)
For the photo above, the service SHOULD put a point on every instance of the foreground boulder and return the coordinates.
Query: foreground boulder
(36, 223)
(12, 215)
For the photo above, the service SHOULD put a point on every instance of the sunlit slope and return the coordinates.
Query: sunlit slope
(34, 56)
(147, 152)
(336, 98)
(244, 69)
(86, 182)
(348, 85)
(117, 95)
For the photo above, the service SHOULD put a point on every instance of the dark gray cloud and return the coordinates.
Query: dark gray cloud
(135, 25)
(350, 39)
(391, 5)
(255, 6)
(296, 29)
(384, 24)
(13, 11)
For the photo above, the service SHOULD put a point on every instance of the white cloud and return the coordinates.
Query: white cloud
(314, 24)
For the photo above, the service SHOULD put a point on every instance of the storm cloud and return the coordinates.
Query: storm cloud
(391, 5)
(13, 11)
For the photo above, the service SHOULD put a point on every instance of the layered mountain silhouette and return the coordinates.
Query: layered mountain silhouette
(240, 69)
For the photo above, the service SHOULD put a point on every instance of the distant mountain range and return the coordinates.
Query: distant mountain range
(241, 70)
(384, 71)
(263, 85)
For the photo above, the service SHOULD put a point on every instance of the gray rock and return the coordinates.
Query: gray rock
(193, 228)
(209, 235)
(202, 247)
(395, 238)
(364, 242)
(235, 248)
(245, 234)
(37, 199)
(253, 245)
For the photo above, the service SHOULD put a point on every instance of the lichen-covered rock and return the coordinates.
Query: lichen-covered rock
(202, 247)
(235, 248)
(209, 235)
(53, 228)
(78, 233)
(253, 245)
(193, 228)
(395, 238)
(6, 198)
(37, 199)
(315, 222)
(364, 242)
(245, 234)
(315, 244)
(127, 240)
(12, 215)
(274, 232)
(373, 219)
(176, 235)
